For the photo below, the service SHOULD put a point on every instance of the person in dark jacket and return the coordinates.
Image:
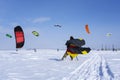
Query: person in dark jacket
(68, 46)
(74, 47)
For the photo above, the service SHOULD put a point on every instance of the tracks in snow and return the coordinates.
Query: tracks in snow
(95, 68)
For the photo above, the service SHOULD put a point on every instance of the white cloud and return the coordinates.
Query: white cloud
(14, 24)
(41, 20)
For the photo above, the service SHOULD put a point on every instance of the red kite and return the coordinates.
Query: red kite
(19, 36)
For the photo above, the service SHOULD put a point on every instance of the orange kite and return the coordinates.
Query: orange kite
(87, 29)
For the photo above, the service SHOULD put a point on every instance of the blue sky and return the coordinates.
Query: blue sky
(102, 16)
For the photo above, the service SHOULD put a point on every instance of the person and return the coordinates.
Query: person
(68, 46)
(75, 47)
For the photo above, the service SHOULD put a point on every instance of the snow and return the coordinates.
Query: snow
(45, 64)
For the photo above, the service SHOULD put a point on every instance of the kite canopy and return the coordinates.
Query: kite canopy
(19, 37)
(87, 29)
(58, 25)
(108, 34)
(35, 33)
(8, 35)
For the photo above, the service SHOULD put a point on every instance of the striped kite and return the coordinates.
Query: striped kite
(19, 37)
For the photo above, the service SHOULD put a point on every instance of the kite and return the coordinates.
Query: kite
(58, 25)
(108, 34)
(87, 29)
(35, 33)
(19, 37)
(8, 35)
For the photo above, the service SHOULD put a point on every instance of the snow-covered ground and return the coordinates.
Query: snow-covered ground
(45, 64)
